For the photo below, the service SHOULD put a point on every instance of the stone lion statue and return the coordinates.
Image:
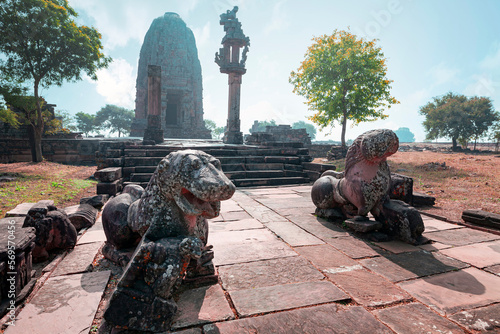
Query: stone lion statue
(364, 188)
(170, 215)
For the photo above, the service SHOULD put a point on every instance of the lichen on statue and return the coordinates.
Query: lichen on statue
(171, 214)
(364, 188)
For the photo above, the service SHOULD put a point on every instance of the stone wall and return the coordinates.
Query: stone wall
(66, 151)
(279, 134)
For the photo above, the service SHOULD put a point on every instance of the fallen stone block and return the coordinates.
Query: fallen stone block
(401, 188)
(97, 201)
(481, 218)
(21, 210)
(110, 188)
(109, 174)
(81, 215)
(420, 199)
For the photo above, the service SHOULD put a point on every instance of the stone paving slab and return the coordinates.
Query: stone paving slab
(353, 247)
(78, 260)
(92, 236)
(246, 246)
(322, 319)
(235, 225)
(187, 331)
(494, 269)
(282, 297)
(317, 226)
(292, 234)
(293, 269)
(396, 246)
(460, 237)
(451, 292)
(21, 210)
(435, 246)
(404, 266)
(368, 289)
(432, 224)
(484, 319)
(235, 215)
(262, 213)
(65, 304)
(326, 258)
(200, 306)
(229, 205)
(415, 318)
(480, 255)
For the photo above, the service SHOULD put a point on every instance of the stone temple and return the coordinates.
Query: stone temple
(170, 44)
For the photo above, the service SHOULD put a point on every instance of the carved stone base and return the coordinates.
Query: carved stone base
(233, 137)
(155, 135)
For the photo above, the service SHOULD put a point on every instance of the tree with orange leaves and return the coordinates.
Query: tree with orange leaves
(343, 77)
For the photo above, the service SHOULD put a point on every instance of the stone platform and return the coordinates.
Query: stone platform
(283, 270)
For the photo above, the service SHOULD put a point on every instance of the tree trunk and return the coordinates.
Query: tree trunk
(36, 149)
(342, 136)
(475, 141)
(454, 142)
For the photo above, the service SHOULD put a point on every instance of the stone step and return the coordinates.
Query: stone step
(145, 169)
(253, 159)
(265, 166)
(142, 184)
(233, 167)
(293, 167)
(140, 177)
(141, 161)
(269, 182)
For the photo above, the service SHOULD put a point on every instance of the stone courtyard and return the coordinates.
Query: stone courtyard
(283, 270)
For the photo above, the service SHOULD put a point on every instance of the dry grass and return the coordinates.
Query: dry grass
(63, 184)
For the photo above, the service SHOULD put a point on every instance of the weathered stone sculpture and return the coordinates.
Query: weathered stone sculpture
(185, 189)
(169, 43)
(364, 187)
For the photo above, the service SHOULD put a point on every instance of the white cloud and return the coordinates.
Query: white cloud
(442, 74)
(279, 20)
(117, 83)
(202, 35)
(492, 61)
(482, 85)
(261, 111)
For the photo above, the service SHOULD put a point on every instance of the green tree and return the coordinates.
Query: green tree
(42, 44)
(405, 135)
(343, 77)
(495, 134)
(260, 126)
(66, 120)
(85, 123)
(458, 117)
(116, 119)
(217, 131)
(310, 129)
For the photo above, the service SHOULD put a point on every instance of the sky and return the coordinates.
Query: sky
(432, 47)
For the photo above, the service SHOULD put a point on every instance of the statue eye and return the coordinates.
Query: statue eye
(196, 164)
(216, 163)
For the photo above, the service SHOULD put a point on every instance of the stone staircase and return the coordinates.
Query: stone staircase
(245, 166)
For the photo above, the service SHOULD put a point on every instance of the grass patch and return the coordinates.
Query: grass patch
(59, 187)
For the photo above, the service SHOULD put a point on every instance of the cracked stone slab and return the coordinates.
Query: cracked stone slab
(322, 319)
(235, 225)
(201, 306)
(480, 319)
(78, 260)
(494, 269)
(293, 269)
(282, 297)
(457, 290)
(432, 224)
(435, 246)
(229, 206)
(235, 215)
(317, 226)
(368, 289)
(353, 247)
(292, 234)
(397, 246)
(246, 246)
(415, 318)
(460, 237)
(65, 304)
(92, 236)
(325, 257)
(480, 255)
(404, 266)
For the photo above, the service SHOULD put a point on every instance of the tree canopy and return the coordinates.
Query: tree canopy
(116, 119)
(310, 129)
(458, 117)
(217, 131)
(343, 77)
(42, 44)
(405, 135)
(85, 123)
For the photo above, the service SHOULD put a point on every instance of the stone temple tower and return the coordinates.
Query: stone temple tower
(170, 44)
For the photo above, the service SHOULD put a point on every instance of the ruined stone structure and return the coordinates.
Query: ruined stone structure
(171, 214)
(169, 43)
(228, 59)
(364, 188)
(282, 133)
